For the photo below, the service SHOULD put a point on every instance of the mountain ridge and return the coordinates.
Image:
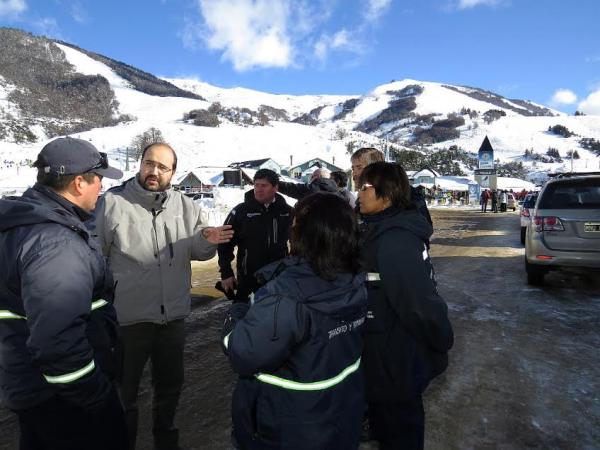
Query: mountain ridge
(411, 119)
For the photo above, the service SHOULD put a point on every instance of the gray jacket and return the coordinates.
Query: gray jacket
(150, 239)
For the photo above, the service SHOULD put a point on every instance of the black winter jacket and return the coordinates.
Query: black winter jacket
(301, 190)
(298, 351)
(261, 236)
(408, 333)
(57, 322)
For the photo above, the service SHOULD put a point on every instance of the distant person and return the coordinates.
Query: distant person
(261, 227)
(484, 199)
(320, 181)
(408, 333)
(298, 348)
(494, 200)
(341, 179)
(503, 201)
(150, 233)
(58, 330)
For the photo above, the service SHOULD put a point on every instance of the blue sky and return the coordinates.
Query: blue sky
(547, 51)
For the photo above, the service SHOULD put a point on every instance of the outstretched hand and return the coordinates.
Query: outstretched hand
(218, 235)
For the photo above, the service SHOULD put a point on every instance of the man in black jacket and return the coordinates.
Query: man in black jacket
(57, 321)
(261, 227)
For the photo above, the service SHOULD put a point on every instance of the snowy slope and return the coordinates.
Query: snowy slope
(248, 98)
(195, 145)
(201, 146)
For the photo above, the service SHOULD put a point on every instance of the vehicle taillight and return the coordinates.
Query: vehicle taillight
(525, 212)
(550, 223)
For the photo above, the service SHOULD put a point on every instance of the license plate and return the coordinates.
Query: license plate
(592, 227)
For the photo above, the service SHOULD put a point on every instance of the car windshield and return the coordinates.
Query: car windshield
(572, 194)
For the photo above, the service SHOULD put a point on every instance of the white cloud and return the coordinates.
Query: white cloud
(376, 8)
(591, 104)
(466, 4)
(340, 41)
(564, 97)
(48, 26)
(12, 8)
(250, 33)
(78, 12)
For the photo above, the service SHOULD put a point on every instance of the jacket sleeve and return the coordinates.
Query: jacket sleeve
(294, 190)
(100, 227)
(401, 258)
(225, 251)
(202, 250)
(263, 339)
(57, 288)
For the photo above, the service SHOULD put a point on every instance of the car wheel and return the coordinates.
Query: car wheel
(535, 275)
(523, 233)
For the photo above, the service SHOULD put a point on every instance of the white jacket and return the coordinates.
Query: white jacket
(150, 239)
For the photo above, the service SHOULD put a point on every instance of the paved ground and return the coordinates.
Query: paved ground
(524, 372)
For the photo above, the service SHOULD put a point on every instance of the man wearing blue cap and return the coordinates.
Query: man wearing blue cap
(57, 321)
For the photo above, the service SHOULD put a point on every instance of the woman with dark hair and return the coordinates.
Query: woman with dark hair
(407, 332)
(297, 349)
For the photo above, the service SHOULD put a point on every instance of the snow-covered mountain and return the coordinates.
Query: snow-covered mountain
(404, 115)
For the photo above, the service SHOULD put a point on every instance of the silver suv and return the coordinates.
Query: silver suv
(564, 230)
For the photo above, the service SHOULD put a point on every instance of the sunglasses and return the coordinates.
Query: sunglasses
(102, 164)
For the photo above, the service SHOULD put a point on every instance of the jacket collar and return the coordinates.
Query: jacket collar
(72, 208)
(150, 200)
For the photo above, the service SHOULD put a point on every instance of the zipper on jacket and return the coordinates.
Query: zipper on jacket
(245, 262)
(155, 236)
(169, 243)
(274, 230)
(275, 337)
(157, 254)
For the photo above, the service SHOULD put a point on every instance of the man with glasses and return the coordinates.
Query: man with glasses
(57, 322)
(150, 233)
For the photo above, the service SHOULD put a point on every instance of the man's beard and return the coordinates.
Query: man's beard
(158, 187)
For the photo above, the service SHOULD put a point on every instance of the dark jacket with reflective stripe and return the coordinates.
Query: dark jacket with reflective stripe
(407, 334)
(261, 236)
(302, 329)
(50, 272)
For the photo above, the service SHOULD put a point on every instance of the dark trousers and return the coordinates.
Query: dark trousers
(58, 425)
(484, 205)
(246, 286)
(398, 426)
(163, 345)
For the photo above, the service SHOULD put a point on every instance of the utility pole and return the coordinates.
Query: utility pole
(572, 151)
(126, 159)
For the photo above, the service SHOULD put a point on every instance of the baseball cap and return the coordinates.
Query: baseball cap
(71, 156)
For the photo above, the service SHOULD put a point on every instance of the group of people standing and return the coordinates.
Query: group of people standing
(497, 197)
(336, 321)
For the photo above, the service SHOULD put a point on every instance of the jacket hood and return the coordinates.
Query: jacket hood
(249, 198)
(40, 205)
(293, 277)
(407, 219)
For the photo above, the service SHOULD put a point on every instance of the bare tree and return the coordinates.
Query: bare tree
(150, 136)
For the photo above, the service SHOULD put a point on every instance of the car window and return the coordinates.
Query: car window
(572, 194)
(530, 201)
